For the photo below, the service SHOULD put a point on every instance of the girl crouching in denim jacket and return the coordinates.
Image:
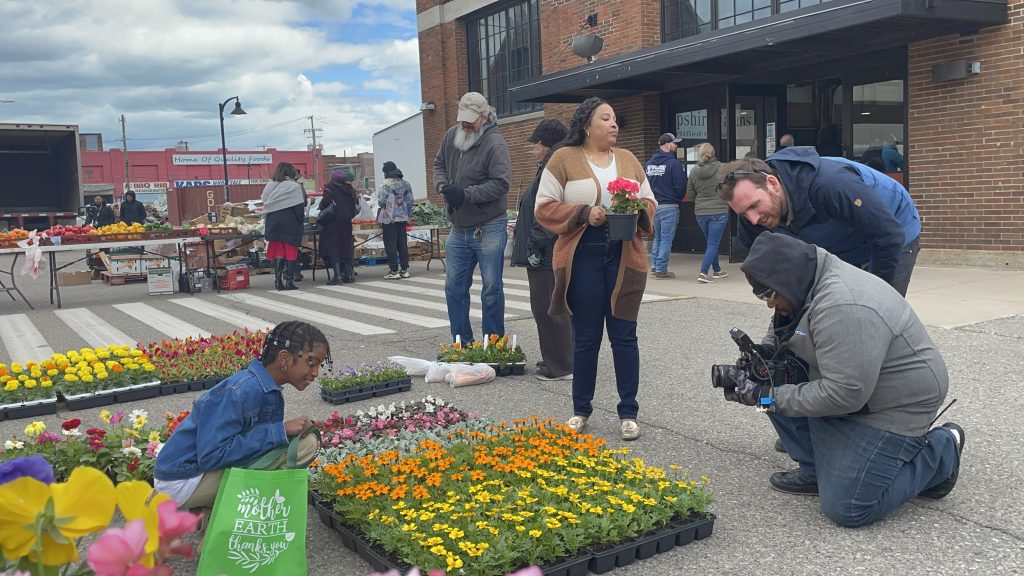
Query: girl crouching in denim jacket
(242, 417)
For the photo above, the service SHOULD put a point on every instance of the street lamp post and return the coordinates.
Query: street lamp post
(223, 144)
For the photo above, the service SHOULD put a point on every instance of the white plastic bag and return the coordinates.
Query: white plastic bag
(438, 371)
(468, 375)
(33, 256)
(414, 366)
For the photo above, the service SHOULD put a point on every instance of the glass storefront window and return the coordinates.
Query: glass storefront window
(877, 125)
(692, 131)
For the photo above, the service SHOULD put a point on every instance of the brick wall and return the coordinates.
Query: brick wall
(966, 146)
(443, 80)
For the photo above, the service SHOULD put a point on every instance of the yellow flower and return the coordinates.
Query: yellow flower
(67, 511)
(22, 378)
(154, 436)
(535, 533)
(52, 372)
(134, 502)
(30, 384)
(105, 416)
(101, 375)
(148, 367)
(136, 353)
(36, 373)
(11, 386)
(87, 378)
(439, 550)
(103, 354)
(70, 378)
(35, 429)
(15, 367)
(47, 384)
(454, 562)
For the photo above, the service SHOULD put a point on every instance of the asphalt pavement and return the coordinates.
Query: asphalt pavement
(976, 318)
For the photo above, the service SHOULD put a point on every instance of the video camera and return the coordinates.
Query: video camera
(782, 367)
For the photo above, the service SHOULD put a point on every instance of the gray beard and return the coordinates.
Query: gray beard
(464, 141)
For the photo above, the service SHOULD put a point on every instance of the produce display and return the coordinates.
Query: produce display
(120, 228)
(60, 231)
(14, 234)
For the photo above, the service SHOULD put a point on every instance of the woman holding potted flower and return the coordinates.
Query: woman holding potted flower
(600, 273)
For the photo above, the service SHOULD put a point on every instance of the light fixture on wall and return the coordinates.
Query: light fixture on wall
(427, 106)
(586, 45)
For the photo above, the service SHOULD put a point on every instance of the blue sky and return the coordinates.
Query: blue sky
(167, 64)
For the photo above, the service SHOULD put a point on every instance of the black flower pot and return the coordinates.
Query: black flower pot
(196, 385)
(622, 226)
(519, 369)
(170, 388)
(87, 401)
(606, 559)
(647, 545)
(569, 567)
(666, 538)
(136, 394)
(704, 527)
(364, 392)
(33, 410)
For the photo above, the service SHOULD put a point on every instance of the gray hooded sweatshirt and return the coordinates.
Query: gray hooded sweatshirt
(484, 172)
(870, 359)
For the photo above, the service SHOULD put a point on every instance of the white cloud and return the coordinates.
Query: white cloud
(167, 64)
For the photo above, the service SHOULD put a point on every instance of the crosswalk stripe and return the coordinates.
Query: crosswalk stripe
(477, 287)
(514, 291)
(395, 299)
(308, 314)
(229, 315)
(161, 320)
(22, 340)
(382, 311)
(479, 280)
(393, 285)
(96, 331)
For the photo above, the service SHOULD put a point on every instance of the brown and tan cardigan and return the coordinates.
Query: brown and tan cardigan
(568, 189)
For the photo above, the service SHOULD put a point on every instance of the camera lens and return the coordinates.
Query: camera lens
(721, 375)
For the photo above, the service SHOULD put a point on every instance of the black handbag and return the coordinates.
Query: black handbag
(327, 215)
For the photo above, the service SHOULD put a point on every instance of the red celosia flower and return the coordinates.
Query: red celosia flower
(71, 424)
(133, 465)
(96, 432)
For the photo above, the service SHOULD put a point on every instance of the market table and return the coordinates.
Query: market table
(51, 258)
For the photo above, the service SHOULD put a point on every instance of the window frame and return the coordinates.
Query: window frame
(717, 16)
(522, 55)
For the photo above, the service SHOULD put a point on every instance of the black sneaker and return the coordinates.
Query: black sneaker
(778, 446)
(946, 486)
(794, 482)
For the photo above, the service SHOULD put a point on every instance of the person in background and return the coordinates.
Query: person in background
(242, 417)
(711, 211)
(668, 181)
(891, 156)
(532, 246)
(284, 212)
(472, 171)
(786, 140)
(599, 281)
(99, 213)
(395, 201)
(830, 141)
(132, 211)
(336, 241)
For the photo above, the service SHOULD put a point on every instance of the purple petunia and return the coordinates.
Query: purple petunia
(32, 466)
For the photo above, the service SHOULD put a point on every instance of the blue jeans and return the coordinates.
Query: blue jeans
(595, 267)
(865, 473)
(666, 218)
(463, 251)
(712, 225)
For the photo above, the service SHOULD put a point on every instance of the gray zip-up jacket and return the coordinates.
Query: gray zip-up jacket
(484, 172)
(869, 356)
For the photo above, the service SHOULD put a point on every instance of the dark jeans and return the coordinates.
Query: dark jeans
(554, 333)
(865, 473)
(908, 258)
(396, 244)
(594, 270)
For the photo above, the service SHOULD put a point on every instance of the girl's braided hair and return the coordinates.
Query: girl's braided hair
(295, 337)
(578, 125)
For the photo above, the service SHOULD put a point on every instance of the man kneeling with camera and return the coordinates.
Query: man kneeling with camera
(858, 426)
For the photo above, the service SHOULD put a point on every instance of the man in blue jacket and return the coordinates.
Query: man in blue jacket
(854, 213)
(668, 181)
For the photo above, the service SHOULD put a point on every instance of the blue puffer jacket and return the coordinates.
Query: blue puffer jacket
(667, 177)
(231, 424)
(893, 194)
(834, 209)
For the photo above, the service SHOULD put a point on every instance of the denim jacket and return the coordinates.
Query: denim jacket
(231, 424)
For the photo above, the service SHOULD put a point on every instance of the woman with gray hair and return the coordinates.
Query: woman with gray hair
(284, 211)
(712, 212)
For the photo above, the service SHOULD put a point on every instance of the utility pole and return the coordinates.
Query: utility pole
(124, 142)
(263, 146)
(316, 162)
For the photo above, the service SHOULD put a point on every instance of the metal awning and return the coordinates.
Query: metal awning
(759, 50)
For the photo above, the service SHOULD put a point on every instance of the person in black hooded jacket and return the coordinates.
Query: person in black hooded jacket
(336, 245)
(132, 211)
(531, 247)
(860, 427)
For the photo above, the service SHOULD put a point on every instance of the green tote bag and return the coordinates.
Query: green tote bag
(258, 524)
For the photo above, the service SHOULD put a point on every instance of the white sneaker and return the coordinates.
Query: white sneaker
(577, 423)
(630, 430)
(392, 276)
(404, 273)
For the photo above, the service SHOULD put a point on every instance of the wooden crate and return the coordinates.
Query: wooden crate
(121, 279)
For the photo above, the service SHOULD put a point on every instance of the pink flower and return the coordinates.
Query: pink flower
(174, 524)
(118, 550)
(531, 571)
(117, 417)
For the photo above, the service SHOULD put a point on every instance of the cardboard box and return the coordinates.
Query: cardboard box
(150, 263)
(160, 280)
(81, 278)
(124, 265)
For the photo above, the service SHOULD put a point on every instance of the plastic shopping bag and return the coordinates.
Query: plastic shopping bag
(468, 374)
(33, 255)
(414, 366)
(258, 525)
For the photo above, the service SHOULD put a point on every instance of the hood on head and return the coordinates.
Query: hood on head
(784, 264)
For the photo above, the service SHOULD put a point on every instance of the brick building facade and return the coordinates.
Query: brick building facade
(868, 67)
